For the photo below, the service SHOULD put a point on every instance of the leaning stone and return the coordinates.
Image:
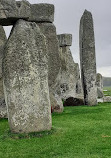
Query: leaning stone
(54, 63)
(25, 73)
(88, 59)
(42, 12)
(65, 40)
(11, 11)
(3, 39)
(99, 83)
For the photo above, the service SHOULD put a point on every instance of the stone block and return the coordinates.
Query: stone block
(25, 73)
(65, 40)
(42, 12)
(11, 11)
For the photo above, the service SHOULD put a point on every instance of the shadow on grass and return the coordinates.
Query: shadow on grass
(9, 134)
(3, 119)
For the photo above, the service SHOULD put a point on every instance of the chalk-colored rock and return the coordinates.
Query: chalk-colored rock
(25, 73)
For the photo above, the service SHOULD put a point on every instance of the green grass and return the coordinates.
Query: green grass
(79, 132)
(108, 92)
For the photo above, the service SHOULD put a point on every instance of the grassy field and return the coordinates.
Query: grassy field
(79, 132)
(108, 92)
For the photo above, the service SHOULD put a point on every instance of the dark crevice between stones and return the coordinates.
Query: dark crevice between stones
(73, 102)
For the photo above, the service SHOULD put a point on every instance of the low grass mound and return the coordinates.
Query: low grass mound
(79, 132)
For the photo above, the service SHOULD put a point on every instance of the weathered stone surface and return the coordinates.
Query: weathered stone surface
(88, 59)
(42, 12)
(3, 40)
(3, 109)
(107, 99)
(54, 63)
(65, 40)
(99, 82)
(25, 73)
(69, 69)
(11, 11)
(23, 9)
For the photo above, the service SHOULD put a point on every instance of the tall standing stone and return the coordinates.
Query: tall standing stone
(68, 68)
(25, 73)
(54, 62)
(3, 109)
(88, 59)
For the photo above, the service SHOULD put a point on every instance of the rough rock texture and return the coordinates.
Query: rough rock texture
(54, 63)
(3, 109)
(42, 12)
(25, 73)
(69, 69)
(65, 40)
(107, 99)
(88, 59)
(99, 82)
(11, 11)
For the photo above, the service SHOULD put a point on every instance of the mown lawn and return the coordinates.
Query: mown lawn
(108, 92)
(79, 132)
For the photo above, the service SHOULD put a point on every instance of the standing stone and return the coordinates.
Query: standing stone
(88, 59)
(54, 64)
(3, 109)
(68, 68)
(25, 73)
(99, 82)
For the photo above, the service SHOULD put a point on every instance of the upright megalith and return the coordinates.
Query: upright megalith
(54, 62)
(3, 39)
(25, 73)
(88, 59)
(68, 68)
(99, 82)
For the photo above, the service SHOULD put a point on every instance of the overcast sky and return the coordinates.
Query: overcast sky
(67, 18)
